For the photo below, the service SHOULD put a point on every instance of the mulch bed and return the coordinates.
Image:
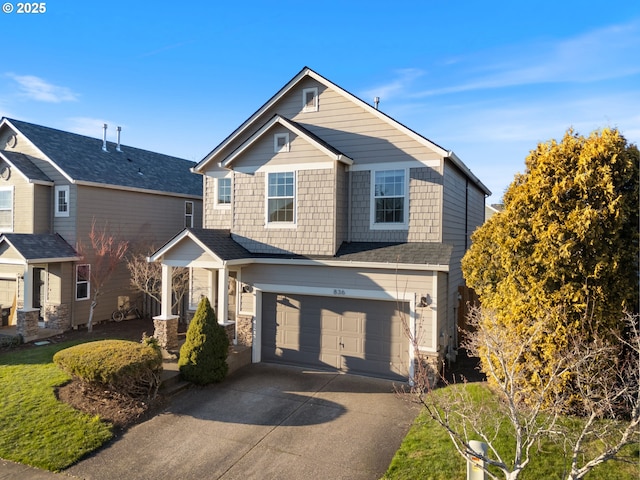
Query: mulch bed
(113, 407)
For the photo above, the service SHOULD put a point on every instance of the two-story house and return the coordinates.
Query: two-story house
(331, 231)
(53, 186)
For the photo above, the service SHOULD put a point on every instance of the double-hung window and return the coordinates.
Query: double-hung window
(83, 281)
(6, 209)
(223, 192)
(188, 214)
(281, 197)
(62, 201)
(389, 199)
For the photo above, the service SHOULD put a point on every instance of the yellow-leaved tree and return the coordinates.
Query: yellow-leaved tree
(561, 260)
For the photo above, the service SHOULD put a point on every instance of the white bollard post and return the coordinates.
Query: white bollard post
(475, 465)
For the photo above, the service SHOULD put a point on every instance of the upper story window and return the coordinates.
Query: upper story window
(310, 99)
(280, 142)
(6, 209)
(223, 192)
(83, 281)
(281, 197)
(390, 204)
(62, 201)
(188, 214)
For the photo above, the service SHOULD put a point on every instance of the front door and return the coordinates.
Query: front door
(39, 276)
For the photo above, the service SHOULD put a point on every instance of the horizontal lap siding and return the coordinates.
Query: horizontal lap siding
(147, 221)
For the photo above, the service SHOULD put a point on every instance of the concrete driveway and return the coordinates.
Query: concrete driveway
(266, 422)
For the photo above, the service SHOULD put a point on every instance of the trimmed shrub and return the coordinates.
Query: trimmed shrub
(203, 356)
(130, 368)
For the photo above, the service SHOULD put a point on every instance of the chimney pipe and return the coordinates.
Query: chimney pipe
(104, 138)
(118, 129)
(376, 101)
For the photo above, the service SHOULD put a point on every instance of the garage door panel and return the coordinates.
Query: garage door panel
(352, 335)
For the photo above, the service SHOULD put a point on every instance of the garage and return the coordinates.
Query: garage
(358, 336)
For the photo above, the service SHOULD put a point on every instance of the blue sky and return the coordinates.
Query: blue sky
(488, 80)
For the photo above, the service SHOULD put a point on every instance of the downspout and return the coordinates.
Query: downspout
(349, 186)
(466, 214)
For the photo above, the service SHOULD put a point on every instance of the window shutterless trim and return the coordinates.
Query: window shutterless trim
(310, 103)
(389, 225)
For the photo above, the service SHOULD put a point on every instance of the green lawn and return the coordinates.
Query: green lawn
(35, 428)
(428, 454)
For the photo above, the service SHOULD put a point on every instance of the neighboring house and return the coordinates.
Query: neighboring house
(53, 186)
(491, 210)
(329, 227)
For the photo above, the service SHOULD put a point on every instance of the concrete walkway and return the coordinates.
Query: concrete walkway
(264, 422)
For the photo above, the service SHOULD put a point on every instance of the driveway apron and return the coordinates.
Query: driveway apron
(266, 422)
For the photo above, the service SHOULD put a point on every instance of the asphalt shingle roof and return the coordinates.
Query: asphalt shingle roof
(83, 159)
(40, 246)
(26, 166)
(220, 242)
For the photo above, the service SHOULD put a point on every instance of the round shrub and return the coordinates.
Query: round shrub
(203, 356)
(127, 367)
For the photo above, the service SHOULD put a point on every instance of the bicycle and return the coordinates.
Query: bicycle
(122, 313)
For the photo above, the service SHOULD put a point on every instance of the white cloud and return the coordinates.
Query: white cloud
(395, 88)
(601, 54)
(38, 89)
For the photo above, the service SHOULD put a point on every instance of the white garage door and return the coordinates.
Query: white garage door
(350, 335)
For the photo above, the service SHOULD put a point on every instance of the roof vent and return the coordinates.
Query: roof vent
(376, 101)
(118, 130)
(104, 138)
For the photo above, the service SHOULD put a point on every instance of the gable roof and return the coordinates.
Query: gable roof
(40, 248)
(25, 167)
(81, 160)
(299, 130)
(307, 72)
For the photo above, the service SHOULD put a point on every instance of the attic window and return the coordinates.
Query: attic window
(310, 99)
(281, 142)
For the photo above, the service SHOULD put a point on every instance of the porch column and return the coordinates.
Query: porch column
(27, 317)
(166, 324)
(223, 296)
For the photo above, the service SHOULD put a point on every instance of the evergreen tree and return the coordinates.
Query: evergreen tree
(203, 357)
(561, 259)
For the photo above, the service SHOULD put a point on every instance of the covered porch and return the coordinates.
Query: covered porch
(33, 266)
(215, 263)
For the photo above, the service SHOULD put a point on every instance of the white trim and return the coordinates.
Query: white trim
(56, 200)
(226, 162)
(295, 167)
(315, 104)
(42, 155)
(88, 282)
(191, 215)
(277, 148)
(12, 209)
(360, 167)
(434, 315)
(336, 292)
(216, 193)
(274, 224)
(357, 294)
(373, 225)
(135, 189)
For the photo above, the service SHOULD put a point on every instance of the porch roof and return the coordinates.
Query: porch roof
(40, 248)
(220, 245)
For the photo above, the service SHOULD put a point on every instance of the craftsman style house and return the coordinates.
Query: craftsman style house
(53, 186)
(329, 228)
